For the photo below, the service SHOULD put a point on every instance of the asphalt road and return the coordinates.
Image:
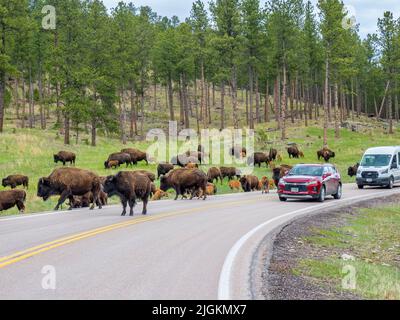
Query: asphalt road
(181, 250)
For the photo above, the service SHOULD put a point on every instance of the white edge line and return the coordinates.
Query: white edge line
(224, 285)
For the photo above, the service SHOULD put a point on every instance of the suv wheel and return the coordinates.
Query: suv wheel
(322, 195)
(339, 192)
(283, 199)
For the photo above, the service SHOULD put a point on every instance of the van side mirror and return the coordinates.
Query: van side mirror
(394, 166)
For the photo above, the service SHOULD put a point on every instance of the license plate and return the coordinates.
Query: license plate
(295, 190)
(369, 180)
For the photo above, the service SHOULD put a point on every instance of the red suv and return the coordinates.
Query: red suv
(311, 181)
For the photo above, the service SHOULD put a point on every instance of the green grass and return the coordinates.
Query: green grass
(30, 152)
(373, 238)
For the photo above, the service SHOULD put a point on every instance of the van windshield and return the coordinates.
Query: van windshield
(376, 160)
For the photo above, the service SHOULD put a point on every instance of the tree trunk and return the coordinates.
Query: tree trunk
(266, 107)
(171, 99)
(257, 99)
(222, 105)
(42, 111)
(236, 121)
(251, 90)
(31, 101)
(133, 126)
(337, 125)
(326, 104)
(23, 103)
(284, 103)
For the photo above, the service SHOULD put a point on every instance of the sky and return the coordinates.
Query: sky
(366, 12)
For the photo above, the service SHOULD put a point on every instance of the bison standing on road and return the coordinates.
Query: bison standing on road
(70, 182)
(249, 183)
(129, 187)
(182, 180)
(15, 181)
(12, 198)
(64, 157)
(280, 172)
(326, 154)
(136, 155)
(163, 169)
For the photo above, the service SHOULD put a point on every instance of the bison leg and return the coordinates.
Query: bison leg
(62, 199)
(20, 206)
(132, 204)
(124, 205)
(145, 201)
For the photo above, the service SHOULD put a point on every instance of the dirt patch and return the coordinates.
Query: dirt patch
(280, 282)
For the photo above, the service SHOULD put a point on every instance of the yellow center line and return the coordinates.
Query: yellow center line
(25, 254)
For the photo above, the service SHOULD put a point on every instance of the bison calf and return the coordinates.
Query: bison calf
(12, 198)
(15, 181)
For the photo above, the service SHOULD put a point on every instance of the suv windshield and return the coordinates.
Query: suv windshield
(312, 171)
(376, 160)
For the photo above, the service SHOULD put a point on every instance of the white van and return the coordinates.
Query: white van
(379, 167)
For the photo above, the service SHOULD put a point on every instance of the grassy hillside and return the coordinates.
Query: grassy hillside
(30, 152)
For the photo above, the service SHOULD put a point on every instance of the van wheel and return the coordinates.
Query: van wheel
(391, 184)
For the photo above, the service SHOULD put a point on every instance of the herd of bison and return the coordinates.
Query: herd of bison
(84, 188)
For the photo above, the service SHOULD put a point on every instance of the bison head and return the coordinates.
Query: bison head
(164, 185)
(106, 165)
(110, 185)
(4, 182)
(56, 158)
(44, 189)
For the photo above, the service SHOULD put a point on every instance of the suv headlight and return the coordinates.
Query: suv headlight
(385, 171)
(282, 182)
(312, 183)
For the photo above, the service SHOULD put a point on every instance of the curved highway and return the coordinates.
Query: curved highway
(181, 250)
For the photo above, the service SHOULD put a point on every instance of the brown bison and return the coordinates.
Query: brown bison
(129, 187)
(64, 157)
(121, 157)
(273, 154)
(293, 152)
(15, 181)
(69, 182)
(326, 154)
(352, 171)
(136, 155)
(230, 173)
(258, 158)
(112, 164)
(12, 198)
(163, 169)
(249, 183)
(183, 180)
(214, 174)
(280, 172)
